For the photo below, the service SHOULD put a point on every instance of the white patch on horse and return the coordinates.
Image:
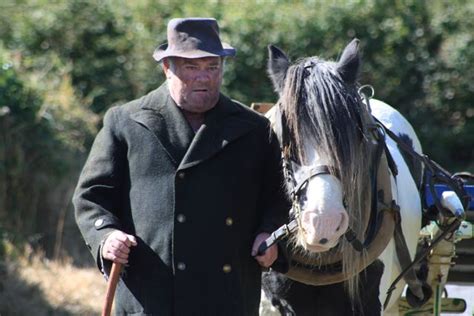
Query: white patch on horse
(407, 197)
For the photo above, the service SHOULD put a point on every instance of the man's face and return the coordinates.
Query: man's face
(194, 84)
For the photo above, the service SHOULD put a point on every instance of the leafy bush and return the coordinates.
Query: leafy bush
(64, 63)
(42, 137)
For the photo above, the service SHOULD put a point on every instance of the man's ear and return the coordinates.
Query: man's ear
(165, 65)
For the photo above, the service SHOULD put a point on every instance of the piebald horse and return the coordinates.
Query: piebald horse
(327, 130)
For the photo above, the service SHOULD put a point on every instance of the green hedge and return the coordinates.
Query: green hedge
(64, 63)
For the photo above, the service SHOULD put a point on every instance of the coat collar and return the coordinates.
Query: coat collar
(160, 115)
(222, 125)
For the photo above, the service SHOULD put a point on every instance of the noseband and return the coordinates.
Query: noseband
(298, 189)
(295, 194)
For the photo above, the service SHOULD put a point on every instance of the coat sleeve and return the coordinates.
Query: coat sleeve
(97, 196)
(274, 200)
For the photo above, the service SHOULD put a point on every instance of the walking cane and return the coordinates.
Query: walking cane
(111, 286)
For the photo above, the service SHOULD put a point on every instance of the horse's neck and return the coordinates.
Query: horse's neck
(394, 121)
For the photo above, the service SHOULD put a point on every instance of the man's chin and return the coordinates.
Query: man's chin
(200, 106)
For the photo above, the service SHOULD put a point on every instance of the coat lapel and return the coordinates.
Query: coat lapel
(222, 125)
(160, 115)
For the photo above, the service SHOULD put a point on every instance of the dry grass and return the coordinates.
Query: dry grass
(32, 285)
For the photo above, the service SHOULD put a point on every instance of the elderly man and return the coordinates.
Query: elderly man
(182, 186)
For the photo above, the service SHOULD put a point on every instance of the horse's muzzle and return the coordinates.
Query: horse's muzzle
(321, 232)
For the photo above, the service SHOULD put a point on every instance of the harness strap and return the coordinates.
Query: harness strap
(378, 131)
(313, 271)
(315, 171)
(377, 178)
(451, 228)
(437, 172)
(404, 258)
(401, 246)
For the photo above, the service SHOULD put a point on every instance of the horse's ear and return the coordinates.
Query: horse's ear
(348, 64)
(278, 64)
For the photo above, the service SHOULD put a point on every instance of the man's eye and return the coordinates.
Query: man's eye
(213, 68)
(190, 67)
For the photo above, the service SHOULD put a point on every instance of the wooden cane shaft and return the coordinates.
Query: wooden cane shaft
(111, 286)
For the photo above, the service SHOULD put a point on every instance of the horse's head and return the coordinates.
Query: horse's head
(322, 123)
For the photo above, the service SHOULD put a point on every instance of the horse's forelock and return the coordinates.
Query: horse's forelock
(290, 100)
(315, 95)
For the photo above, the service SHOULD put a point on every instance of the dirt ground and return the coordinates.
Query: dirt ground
(33, 285)
(36, 286)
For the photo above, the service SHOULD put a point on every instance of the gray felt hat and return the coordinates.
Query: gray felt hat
(193, 38)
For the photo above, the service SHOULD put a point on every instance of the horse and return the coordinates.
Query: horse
(344, 256)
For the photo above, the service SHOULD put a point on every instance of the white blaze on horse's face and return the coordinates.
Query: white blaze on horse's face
(323, 218)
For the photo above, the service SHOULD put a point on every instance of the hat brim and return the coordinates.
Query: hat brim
(162, 51)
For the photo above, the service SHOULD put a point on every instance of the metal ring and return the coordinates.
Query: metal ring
(381, 129)
(370, 88)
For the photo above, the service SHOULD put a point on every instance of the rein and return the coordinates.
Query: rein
(437, 174)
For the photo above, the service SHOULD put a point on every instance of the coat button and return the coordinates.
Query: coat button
(98, 222)
(181, 174)
(181, 266)
(227, 268)
(229, 221)
(181, 218)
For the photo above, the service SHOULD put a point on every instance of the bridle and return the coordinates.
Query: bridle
(298, 189)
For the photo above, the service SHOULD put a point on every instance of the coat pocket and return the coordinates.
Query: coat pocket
(129, 299)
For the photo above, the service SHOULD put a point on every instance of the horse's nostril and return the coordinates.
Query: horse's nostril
(323, 241)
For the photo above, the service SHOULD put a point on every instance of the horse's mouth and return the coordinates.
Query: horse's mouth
(316, 248)
(313, 246)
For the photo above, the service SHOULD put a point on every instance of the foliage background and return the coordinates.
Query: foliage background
(63, 63)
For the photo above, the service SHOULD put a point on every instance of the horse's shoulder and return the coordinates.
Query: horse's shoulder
(386, 113)
(395, 121)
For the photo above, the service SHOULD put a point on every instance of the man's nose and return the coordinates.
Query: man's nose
(203, 75)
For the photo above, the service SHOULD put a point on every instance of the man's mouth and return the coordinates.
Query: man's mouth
(199, 90)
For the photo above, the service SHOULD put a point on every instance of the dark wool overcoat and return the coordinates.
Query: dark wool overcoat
(195, 202)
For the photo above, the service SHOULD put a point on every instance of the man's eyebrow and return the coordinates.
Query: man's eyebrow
(189, 62)
(194, 63)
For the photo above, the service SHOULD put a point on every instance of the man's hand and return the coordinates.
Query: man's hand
(269, 256)
(117, 246)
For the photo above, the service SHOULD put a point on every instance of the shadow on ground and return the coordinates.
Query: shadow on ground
(18, 297)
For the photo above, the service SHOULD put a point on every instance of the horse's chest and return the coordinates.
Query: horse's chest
(295, 298)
